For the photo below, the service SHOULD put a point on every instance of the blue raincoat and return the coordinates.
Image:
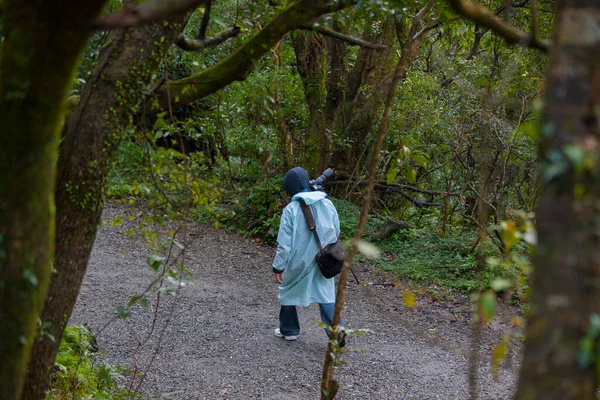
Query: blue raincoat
(303, 282)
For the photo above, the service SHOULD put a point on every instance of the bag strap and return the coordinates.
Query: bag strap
(310, 221)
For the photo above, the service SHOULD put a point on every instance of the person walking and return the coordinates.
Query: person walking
(300, 280)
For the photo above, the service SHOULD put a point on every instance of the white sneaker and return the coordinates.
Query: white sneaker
(288, 338)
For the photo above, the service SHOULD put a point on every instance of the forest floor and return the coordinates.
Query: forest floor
(219, 343)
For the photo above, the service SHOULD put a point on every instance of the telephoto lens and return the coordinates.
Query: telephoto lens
(317, 184)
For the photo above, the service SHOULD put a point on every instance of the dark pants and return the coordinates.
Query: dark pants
(289, 325)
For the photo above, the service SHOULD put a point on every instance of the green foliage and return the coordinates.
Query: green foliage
(429, 257)
(449, 260)
(349, 215)
(164, 177)
(258, 214)
(434, 143)
(589, 350)
(77, 373)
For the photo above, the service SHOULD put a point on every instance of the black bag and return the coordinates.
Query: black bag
(331, 257)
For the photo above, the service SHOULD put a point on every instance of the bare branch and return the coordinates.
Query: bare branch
(338, 35)
(239, 64)
(508, 11)
(435, 26)
(205, 20)
(534, 19)
(145, 13)
(488, 19)
(414, 33)
(188, 44)
(155, 86)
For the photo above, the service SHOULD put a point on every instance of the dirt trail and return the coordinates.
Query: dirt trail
(219, 342)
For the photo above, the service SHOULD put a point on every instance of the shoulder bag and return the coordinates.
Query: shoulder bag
(331, 257)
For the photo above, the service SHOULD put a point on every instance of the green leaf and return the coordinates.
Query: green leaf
(391, 175)
(160, 123)
(144, 302)
(122, 312)
(368, 249)
(154, 261)
(30, 278)
(420, 160)
(500, 284)
(409, 173)
(531, 129)
(487, 306)
(551, 170)
(133, 300)
(577, 157)
(498, 355)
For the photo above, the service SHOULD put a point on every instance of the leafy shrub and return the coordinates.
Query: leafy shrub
(425, 256)
(445, 259)
(76, 373)
(349, 216)
(162, 176)
(258, 214)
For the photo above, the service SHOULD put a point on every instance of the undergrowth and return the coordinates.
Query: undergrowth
(78, 375)
(253, 208)
(426, 256)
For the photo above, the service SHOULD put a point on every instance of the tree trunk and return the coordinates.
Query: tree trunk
(311, 55)
(567, 260)
(337, 52)
(367, 88)
(94, 131)
(284, 140)
(40, 52)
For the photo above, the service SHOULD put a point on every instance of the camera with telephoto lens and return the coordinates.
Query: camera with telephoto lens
(317, 184)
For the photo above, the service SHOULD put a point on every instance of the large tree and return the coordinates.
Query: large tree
(42, 43)
(566, 296)
(561, 352)
(93, 132)
(109, 103)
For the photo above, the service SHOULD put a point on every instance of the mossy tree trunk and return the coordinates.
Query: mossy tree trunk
(43, 40)
(311, 56)
(343, 102)
(567, 261)
(337, 71)
(93, 132)
(107, 106)
(366, 90)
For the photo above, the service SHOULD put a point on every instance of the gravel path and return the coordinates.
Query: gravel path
(219, 341)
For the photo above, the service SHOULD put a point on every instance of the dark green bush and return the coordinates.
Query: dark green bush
(428, 257)
(77, 374)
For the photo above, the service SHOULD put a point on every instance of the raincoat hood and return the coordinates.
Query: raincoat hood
(296, 181)
(310, 197)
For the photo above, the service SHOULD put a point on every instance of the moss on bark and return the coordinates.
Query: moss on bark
(40, 53)
(107, 107)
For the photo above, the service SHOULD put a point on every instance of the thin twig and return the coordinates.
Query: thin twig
(329, 386)
(338, 35)
(188, 44)
(487, 18)
(205, 20)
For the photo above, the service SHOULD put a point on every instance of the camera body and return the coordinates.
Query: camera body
(317, 184)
